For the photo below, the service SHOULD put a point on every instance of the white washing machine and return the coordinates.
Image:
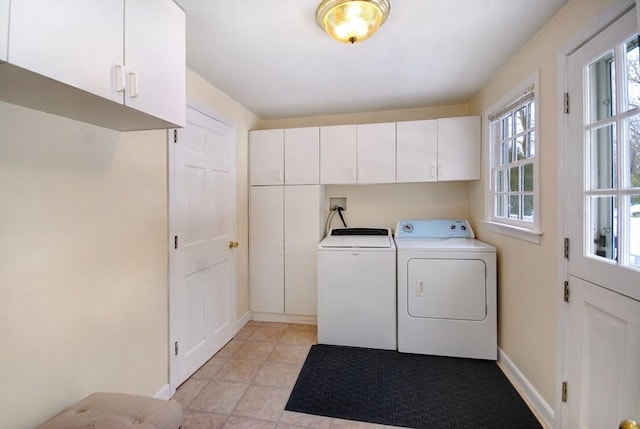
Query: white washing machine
(447, 290)
(357, 288)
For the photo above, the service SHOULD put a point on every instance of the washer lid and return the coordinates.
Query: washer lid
(379, 238)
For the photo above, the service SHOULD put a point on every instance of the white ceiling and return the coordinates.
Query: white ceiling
(272, 57)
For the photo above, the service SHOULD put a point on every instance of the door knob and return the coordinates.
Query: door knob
(629, 424)
(233, 244)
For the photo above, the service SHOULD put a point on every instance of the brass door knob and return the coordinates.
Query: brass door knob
(629, 424)
(233, 244)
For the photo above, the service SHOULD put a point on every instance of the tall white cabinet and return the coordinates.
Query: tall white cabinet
(285, 227)
(285, 220)
(72, 58)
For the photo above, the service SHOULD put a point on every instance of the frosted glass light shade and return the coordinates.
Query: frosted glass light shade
(352, 21)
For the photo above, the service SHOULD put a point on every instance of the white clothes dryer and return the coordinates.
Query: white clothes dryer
(447, 303)
(357, 288)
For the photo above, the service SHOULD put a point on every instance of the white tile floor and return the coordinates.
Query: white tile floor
(248, 382)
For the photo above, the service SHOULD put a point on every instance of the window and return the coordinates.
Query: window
(513, 188)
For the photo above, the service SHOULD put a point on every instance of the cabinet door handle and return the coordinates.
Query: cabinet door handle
(354, 174)
(280, 176)
(118, 77)
(433, 171)
(420, 288)
(439, 170)
(133, 85)
(359, 174)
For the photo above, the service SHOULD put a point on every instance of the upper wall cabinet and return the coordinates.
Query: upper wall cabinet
(438, 150)
(459, 142)
(117, 64)
(417, 151)
(338, 154)
(377, 153)
(285, 157)
(358, 153)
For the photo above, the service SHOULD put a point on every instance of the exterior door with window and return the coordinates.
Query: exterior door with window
(603, 225)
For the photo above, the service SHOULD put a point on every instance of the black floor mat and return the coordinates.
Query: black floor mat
(419, 391)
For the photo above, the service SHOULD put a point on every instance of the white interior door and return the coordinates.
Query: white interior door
(202, 259)
(603, 190)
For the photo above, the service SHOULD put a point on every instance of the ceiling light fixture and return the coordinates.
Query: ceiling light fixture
(352, 21)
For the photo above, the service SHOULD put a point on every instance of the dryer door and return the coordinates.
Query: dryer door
(447, 289)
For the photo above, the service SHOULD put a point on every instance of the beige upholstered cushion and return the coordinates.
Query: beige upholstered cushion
(119, 411)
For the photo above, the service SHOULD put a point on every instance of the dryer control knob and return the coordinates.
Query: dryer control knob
(407, 227)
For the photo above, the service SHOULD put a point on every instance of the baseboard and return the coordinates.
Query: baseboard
(285, 318)
(535, 401)
(164, 393)
(243, 320)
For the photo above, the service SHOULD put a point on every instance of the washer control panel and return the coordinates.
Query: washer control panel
(434, 228)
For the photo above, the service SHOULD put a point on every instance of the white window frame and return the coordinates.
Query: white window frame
(523, 230)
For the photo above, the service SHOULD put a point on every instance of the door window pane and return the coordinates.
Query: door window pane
(602, 103)
(633, 152)
(633, 219)
(603, 158)
(633, 74)
(603, 225)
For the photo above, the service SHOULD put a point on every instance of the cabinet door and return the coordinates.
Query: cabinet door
(266, 157)
(377, 153)
(417, 151)
(78, 43)
(303, 225)
(266, 248)
(302, 156)
(338, 151)
(155, 59)
(459, 148)
(4, 29)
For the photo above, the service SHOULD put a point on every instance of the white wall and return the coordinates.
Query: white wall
(384, 205)
(83, 263)
(528, 291)
(84, 257)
